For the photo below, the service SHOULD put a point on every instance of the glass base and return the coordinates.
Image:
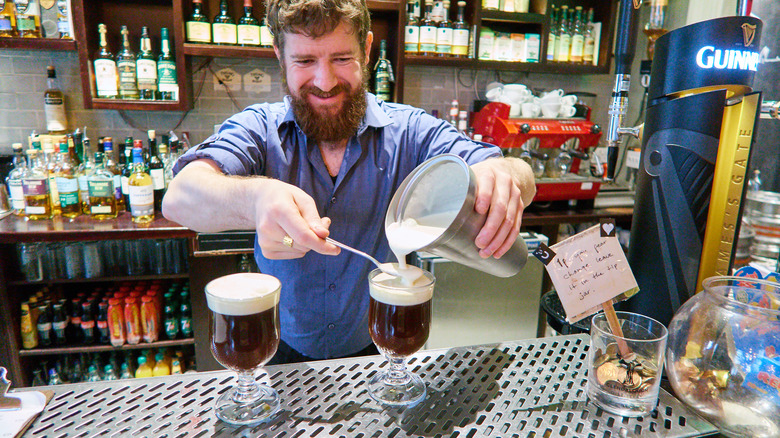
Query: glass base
(403, 391)
(247, 412)
(623, 406)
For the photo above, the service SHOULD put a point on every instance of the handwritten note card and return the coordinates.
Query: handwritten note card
(589, 269)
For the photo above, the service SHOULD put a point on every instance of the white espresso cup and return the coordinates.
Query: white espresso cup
(567, 111)
(518, 93)
(569, 100)
(531, 110)
(550, 109)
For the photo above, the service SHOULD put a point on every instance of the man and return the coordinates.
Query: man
(326, 162)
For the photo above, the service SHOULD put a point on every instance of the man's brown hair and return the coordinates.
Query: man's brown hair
(315, 18)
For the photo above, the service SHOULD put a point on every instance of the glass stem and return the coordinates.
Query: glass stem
(397, 372)
(246, 389)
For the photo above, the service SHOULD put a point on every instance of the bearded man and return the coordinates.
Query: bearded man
(326, 162)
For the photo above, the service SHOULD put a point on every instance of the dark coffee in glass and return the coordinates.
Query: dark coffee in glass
(244, 342)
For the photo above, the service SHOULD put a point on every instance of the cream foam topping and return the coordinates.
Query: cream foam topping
(391, 289)
(243, 293)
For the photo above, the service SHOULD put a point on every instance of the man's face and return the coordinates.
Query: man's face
(326, 79)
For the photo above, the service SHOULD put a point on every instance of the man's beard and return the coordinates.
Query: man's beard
(326, 127)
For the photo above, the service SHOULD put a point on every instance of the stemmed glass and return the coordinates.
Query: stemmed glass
(399, 318)
(244, 332)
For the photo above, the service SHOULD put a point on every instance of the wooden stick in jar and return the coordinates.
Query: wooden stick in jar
(614, 325)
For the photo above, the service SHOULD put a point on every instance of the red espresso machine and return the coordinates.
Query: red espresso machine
(555, 149)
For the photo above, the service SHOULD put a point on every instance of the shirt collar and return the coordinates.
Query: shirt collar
(375, 116)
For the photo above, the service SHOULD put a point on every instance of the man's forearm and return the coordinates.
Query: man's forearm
(203, 199)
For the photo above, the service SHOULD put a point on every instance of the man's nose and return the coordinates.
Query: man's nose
(325, 77)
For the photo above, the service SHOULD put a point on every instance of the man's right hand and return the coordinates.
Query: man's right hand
(204, 199)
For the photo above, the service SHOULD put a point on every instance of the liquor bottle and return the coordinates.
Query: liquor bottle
(166, 69)
(106, 74)
(383, 74)
(564, 37)
(460, 33)
(428, 34)
(266, 39)
(128, 169)
(411, 31)
(552, 35)
(167, 162)
(151, 143)
(28, 18)
(29, 332)
(14, 180)
(103, 334)
(102, 198)
(51, 159)
(44, 325)
(223, 28)
(444, 32)
(125, 63)
(577, 37)
(7, 19)
(87, 323)
(63, 20)
(248, 29)
(85, 168)
(59, 324)
(35, 184)
(146, 68)
(74, 156)
(66, 176)
(111, 166)
(156, 169)
(141, 190)
(590, 42)
(54, 104)
(491, 5)
(437, 11)
(198, 26)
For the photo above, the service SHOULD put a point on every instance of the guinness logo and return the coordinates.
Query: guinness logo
(637, 4)
(748, 33)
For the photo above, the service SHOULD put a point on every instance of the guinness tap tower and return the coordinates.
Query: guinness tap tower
(696, 144)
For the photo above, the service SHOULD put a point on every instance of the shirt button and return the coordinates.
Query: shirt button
(333, 200)
(332, 286)
(331, 326)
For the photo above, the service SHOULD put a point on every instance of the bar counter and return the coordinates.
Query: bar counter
(522, 388)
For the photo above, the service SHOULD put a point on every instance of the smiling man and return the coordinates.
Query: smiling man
(326, 162)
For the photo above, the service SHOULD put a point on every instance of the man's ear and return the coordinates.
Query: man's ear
(369, 41)
(278, 53)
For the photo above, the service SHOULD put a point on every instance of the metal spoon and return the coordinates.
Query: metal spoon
(387, 268)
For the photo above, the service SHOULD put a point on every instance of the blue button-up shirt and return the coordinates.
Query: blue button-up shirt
(324, 299)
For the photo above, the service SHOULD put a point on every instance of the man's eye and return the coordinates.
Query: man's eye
(343, 60)
(304, 61)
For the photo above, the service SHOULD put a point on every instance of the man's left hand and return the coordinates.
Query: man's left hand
(504, 188)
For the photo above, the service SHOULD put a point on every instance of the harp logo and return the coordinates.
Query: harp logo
(748, 33)
(637, 4)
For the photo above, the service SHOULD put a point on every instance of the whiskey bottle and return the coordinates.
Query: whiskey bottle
(590, 42)
(110, 164)
(444, 32)
(7, 19)
(166, 69)
(125, 63)
(383, 74)
(141, 191)
(577, 37)
(106, 75)
(52, 158)
(266, 39)
(128, 169)
(411, 31)
(35, 184)
(552, 35)
(67, 183)
(223, 28)
(14, 180)
(84, 170)
(146, 68)
(156, 172)
(428, 34)
(564, 37)
(54, 104)
(28, 18)
(102, 202)
(460, 33)
(198, 26)
(248, 29)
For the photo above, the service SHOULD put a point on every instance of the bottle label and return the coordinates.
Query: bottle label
(127, 75)
(106, 77)
(63, 27)
(68, 199)
(158, 178)
(577, 43)
(125, 186)
(171, 329)
(102, 325)
(101, 189)
(53, 190)
(412, 39)
(224, 33)
(67, 185)
(141, 200)
(5, 24)
(35, 187)
(59, 327)
(146, 70)
(427, 39)
(249, 34)
(444, 40)
(17, 194)
(186, 327)
(198, 32)
(117, 186)
(551, 47)
(166, 71)
(589, 50)
(266, 39)
(460, 42)
(564, 44)
(87, 325)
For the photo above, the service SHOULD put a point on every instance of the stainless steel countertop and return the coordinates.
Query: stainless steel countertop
(524, 388)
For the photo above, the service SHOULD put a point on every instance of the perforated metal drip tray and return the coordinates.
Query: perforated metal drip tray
(534, 388)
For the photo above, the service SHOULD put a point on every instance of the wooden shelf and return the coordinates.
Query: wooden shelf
(102, 279)
(37, 44)
(228, 51)
(512, 17)
(139, 105)
(103, 347)
(380, 5)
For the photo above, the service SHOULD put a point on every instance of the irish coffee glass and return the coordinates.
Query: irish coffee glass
(399, 320)
(244, 333)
